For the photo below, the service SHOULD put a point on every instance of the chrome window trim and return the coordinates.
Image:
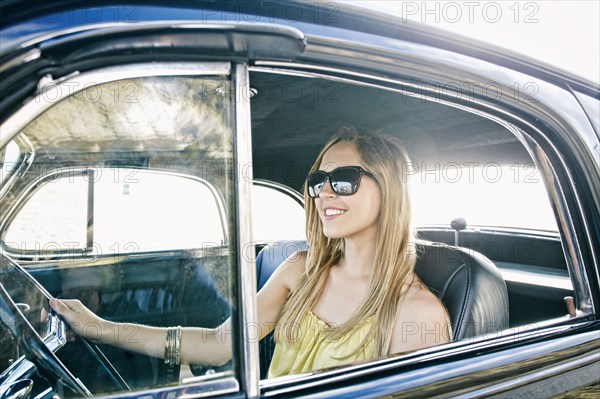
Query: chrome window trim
(108, 28)
(52, 93)
(248, 327)
(204, 389)
(28, 56)
(573, 255)
(572, 252)
(410, 378)
(25, 162)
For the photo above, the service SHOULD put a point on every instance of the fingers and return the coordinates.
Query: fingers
(80, 319)
(60, 307)
(71, 310)
(43, 315)
(66, 305)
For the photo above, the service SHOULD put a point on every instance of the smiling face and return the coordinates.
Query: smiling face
(354, 216)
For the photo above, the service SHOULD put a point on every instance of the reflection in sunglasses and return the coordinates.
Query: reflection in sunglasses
(344, 180)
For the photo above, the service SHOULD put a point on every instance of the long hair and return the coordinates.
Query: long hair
(395, 255)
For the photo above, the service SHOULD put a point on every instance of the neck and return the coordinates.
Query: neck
(358, 257)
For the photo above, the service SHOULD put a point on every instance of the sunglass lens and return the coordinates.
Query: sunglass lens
(315, 183)
(345, 181)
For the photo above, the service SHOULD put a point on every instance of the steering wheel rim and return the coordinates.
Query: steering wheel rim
(103, 361)
(36, 351)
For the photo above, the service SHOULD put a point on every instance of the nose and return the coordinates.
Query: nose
(327, 190)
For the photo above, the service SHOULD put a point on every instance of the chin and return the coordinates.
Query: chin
(333, 233)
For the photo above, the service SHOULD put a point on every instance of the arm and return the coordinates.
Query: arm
(211, 346)
(421, 322)
(273, 296)
(198, 345)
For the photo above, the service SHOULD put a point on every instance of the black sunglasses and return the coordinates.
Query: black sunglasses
(344, 180)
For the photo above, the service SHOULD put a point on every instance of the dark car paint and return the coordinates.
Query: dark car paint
(539, 357)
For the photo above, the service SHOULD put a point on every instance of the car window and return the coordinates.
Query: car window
(509, 196)
(128, 212)
(127, 186)
(276, 214)
(125, 205)
(462, 164)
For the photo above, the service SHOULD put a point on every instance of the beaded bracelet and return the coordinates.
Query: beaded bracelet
(173, 346)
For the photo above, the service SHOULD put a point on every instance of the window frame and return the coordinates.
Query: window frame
(245, 377)
(24, 162)
(554, 174)
(550, 173)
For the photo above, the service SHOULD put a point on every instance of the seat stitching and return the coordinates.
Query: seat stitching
(468, 296)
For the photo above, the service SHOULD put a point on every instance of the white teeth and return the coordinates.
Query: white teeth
(331, 212)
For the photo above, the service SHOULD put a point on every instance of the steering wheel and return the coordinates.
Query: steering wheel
(46, 362)
(35, 349)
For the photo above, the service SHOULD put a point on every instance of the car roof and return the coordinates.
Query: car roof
(52, 25)
(311, 15)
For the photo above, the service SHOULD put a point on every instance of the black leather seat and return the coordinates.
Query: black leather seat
(467, 283)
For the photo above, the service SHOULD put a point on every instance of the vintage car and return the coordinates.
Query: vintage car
(153, 159)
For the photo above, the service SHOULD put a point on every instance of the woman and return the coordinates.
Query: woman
(353, 296)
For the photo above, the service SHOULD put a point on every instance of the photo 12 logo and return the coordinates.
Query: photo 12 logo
(96, 14)
(470, 11)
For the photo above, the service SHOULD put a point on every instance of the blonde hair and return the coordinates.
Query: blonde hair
(395, 257)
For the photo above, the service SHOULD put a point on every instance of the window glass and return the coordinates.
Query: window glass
(52, 219)
(188, 209)
(512, 196)
(131, 209)
(276, 215)
(125, 207)
(463, 164)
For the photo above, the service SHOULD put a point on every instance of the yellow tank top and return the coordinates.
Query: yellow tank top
(314, 349)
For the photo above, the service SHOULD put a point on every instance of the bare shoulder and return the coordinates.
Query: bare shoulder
(421, 321)
(291, 270)
(422, 305)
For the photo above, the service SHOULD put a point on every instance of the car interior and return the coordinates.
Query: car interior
(434, 133)
(492, 281)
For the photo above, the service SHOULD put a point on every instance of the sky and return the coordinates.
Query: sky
(563, 33)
